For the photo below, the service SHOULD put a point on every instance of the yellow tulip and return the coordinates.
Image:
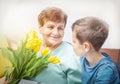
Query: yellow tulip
(32, 35)
(57, 60)
(34, 45)
(45, 51)
(54, 60)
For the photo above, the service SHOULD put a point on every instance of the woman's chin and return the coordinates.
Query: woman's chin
(54, 42)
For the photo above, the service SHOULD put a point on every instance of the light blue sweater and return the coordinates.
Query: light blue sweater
(67, 72)
(104, 72)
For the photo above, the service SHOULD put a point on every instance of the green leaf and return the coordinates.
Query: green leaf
(8, 72)
(7, 53)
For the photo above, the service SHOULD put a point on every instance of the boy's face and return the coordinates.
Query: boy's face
(52, 32)
(78, 48)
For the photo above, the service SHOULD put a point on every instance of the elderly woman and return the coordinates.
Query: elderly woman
(52, 22)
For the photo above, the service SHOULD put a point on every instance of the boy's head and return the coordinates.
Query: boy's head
(53, 14)
(90, 32)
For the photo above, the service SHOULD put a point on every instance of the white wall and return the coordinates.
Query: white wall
(19, 16)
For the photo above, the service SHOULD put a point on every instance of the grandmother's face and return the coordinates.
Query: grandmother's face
(52, 33)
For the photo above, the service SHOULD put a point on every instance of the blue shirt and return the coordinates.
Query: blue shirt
(104, 72)
(67, 72)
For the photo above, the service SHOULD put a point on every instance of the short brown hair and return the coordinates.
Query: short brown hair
(91, 29)
(52, 14)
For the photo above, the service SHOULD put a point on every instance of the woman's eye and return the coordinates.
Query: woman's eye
(50, 27)
(60, 28)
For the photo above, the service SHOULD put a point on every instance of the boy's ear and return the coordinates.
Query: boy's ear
(87, 46)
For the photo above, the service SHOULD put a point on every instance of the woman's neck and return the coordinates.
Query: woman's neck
(93, 58)
(51, 47)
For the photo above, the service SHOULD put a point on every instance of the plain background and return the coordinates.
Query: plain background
(17, 17)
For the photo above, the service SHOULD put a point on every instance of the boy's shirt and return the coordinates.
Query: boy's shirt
(104, 72)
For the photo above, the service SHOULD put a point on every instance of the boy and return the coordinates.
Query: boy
(89, 34)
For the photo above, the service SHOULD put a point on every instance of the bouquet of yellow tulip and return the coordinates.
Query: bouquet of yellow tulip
(25, 62)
